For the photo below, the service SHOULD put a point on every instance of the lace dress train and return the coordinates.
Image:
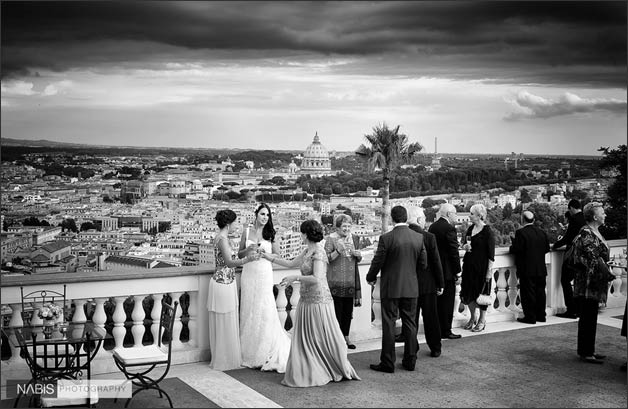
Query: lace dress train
(265, 344)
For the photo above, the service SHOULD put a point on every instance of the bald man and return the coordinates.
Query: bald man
(447, 242)
(529, 247)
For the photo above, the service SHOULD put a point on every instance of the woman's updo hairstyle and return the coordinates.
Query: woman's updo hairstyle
(312, 230)
(225, 217)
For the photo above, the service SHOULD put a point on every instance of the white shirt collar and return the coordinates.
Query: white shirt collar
(401, 224)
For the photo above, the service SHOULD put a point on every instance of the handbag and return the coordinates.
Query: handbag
(484, 299)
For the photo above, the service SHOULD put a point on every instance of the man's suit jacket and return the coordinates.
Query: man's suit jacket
(432, 278)
(575, 224)
(447, 242)
(529, 247)
(400, 255)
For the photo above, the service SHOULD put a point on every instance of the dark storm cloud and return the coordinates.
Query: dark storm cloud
(546, 42)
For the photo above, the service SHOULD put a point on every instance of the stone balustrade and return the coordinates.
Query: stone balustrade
(128, 305)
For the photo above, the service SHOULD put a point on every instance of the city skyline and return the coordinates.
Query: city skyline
(482, 77)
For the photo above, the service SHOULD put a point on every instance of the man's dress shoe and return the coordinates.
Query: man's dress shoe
(408, 366)
(567, 315)
(452, 336)
(400, 339)
(381, 368)
(591, 359)
(435, 354)
(526, 321)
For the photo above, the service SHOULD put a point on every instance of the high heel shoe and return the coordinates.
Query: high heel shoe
(469, 324)
(479, 327)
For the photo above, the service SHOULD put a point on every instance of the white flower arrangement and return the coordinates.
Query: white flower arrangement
(49, 311)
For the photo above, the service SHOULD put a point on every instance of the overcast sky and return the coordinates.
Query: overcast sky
(482, 77)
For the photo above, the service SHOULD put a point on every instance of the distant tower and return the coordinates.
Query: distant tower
(436, 159)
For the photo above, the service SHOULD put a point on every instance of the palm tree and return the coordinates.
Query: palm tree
(387, 149)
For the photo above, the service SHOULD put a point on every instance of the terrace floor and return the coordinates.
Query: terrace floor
(508, 365)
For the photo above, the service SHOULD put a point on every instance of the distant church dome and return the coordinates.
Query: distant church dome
(316, 159)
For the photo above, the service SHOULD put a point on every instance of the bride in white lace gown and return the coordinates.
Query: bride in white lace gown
(264, 342)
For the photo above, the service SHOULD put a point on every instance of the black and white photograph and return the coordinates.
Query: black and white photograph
(313, 203)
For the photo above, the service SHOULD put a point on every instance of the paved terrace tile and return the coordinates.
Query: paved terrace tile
(508, 365)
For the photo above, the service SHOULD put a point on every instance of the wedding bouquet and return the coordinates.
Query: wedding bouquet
(49, 311)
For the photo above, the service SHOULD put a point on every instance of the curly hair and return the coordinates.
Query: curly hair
(312, 230)
(225, 217)
(268, 232)
(589, 211)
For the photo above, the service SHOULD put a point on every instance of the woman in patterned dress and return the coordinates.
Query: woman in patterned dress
(590, 286)
(319, 352)
(222, 299)
(343, 275)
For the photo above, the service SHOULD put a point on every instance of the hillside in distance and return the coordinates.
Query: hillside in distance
(44, 145)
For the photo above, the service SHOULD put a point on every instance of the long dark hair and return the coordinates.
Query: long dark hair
(268, 232)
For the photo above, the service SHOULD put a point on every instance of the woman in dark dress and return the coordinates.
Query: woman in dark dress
(477, 264)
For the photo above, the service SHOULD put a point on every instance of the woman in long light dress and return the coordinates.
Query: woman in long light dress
(319, 351)
(265, 344)
(222, 299)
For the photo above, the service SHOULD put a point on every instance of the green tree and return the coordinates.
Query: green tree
(615, 224)
(69, 224)
(87, 226)
(525, 196)
(387, 149)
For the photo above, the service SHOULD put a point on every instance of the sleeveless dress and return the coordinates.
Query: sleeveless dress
(319, 351)
(265, 343)
(475, 264)
(222, 304)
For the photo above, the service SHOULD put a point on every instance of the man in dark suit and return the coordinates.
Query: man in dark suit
(431, 283)
(529, 247)
(576, 221)
(400, 256)
(447, 243)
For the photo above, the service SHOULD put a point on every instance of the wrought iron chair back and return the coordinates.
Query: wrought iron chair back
(35, 301)
(139, 364)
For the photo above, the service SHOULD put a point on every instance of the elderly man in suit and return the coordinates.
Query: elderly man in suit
(529, 246)
(431, 283)
(447, 242)
(400, 256)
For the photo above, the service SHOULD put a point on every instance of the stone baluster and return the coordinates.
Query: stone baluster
(15, 321)
(178, 325)
(491, 309)
(624, 283)
(615, 288)
(502, 294)
(99, 319)
(512, 290)
(294, 300)
(457, 301)
(192, 321)
(16, 315)
(79, 316)
(137, 316)
(377, 305)
(119, 317)
(281, 302)
(35, 319)
(155, 315)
